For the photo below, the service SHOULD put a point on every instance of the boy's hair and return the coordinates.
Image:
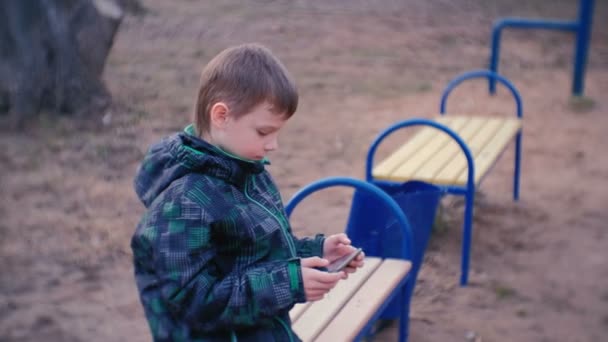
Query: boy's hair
(243, 77)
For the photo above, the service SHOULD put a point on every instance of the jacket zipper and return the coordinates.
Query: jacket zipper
(288, 239)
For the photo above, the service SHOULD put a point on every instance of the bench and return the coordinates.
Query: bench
(349, 311)
(346, 312)
(454, 152)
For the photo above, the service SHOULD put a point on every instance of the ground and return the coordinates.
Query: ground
(539, 266)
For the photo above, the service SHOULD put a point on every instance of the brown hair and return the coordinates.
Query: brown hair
(244, 76)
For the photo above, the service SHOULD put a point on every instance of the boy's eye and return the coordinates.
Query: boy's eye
(262, 133)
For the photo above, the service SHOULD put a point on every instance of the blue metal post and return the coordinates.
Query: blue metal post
(467, 233)
(583, 37)
(581, 27)
(517, 166)
(495, 54)
(407, 292)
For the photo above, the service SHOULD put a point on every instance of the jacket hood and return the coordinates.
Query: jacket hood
(183, 153)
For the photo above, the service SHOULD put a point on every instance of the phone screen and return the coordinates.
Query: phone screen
(341, 263)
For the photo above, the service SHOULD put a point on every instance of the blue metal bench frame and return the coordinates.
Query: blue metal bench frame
(581, 28)
(405, 287)
(469, 190)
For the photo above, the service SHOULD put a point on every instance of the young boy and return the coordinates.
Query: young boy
(214, 255)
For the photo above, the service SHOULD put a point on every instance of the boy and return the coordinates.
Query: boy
(214, 256)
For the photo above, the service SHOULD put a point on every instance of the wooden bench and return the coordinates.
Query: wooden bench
(349, 311)
(432, 156)
(455, 152)
(346, 312)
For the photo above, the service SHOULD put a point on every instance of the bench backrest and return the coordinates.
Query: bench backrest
(375, 196)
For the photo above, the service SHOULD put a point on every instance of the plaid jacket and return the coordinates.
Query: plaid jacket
(214, 256)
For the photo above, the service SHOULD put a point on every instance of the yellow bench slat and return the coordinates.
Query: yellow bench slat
(490, 151)
(426, 152)
(360, 308)
(435, 164)
(482, 135)
(438, 159)
(298, 310)
(318, 315)
(485, 133)
(385, 168)
(450, 171)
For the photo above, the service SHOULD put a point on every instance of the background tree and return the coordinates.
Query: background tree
(52, 55)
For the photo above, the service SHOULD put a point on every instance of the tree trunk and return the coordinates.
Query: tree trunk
(52, 55)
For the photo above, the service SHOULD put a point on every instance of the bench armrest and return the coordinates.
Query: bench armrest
(490, 75)
(362, 186)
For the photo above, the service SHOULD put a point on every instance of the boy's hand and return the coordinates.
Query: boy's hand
(338, 245)
(318, 283)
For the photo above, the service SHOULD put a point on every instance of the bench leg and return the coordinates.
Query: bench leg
(407, 292)
(466, 237)
(517, 166)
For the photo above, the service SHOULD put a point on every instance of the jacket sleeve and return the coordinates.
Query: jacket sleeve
(309, 246)
(195, 290)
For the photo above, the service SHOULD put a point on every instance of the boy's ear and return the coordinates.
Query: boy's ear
(219, 114)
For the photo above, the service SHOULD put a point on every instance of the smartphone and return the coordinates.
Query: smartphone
(341, 263)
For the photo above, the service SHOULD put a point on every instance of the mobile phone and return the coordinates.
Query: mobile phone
(339, 264)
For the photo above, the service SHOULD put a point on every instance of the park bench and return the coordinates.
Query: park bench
(349, 311)
(453, 152)
(353, 304)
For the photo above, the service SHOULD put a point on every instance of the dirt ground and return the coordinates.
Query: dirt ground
(539, 266)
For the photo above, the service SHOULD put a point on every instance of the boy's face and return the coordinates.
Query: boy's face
(252, 135)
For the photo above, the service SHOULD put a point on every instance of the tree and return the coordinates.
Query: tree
(52, 56)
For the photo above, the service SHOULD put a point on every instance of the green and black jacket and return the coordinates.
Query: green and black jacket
(214, 255)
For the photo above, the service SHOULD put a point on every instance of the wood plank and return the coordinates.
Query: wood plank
(485, 134)
(476, 144)
(370, 263)
(298, 310)
(436, 158)
(452, 170)
(359, 310)
(491, 150)
(385, 168)
(318, 315)
(407, 170)
(434, 165)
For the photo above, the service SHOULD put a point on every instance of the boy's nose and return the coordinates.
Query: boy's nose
(272, 145)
